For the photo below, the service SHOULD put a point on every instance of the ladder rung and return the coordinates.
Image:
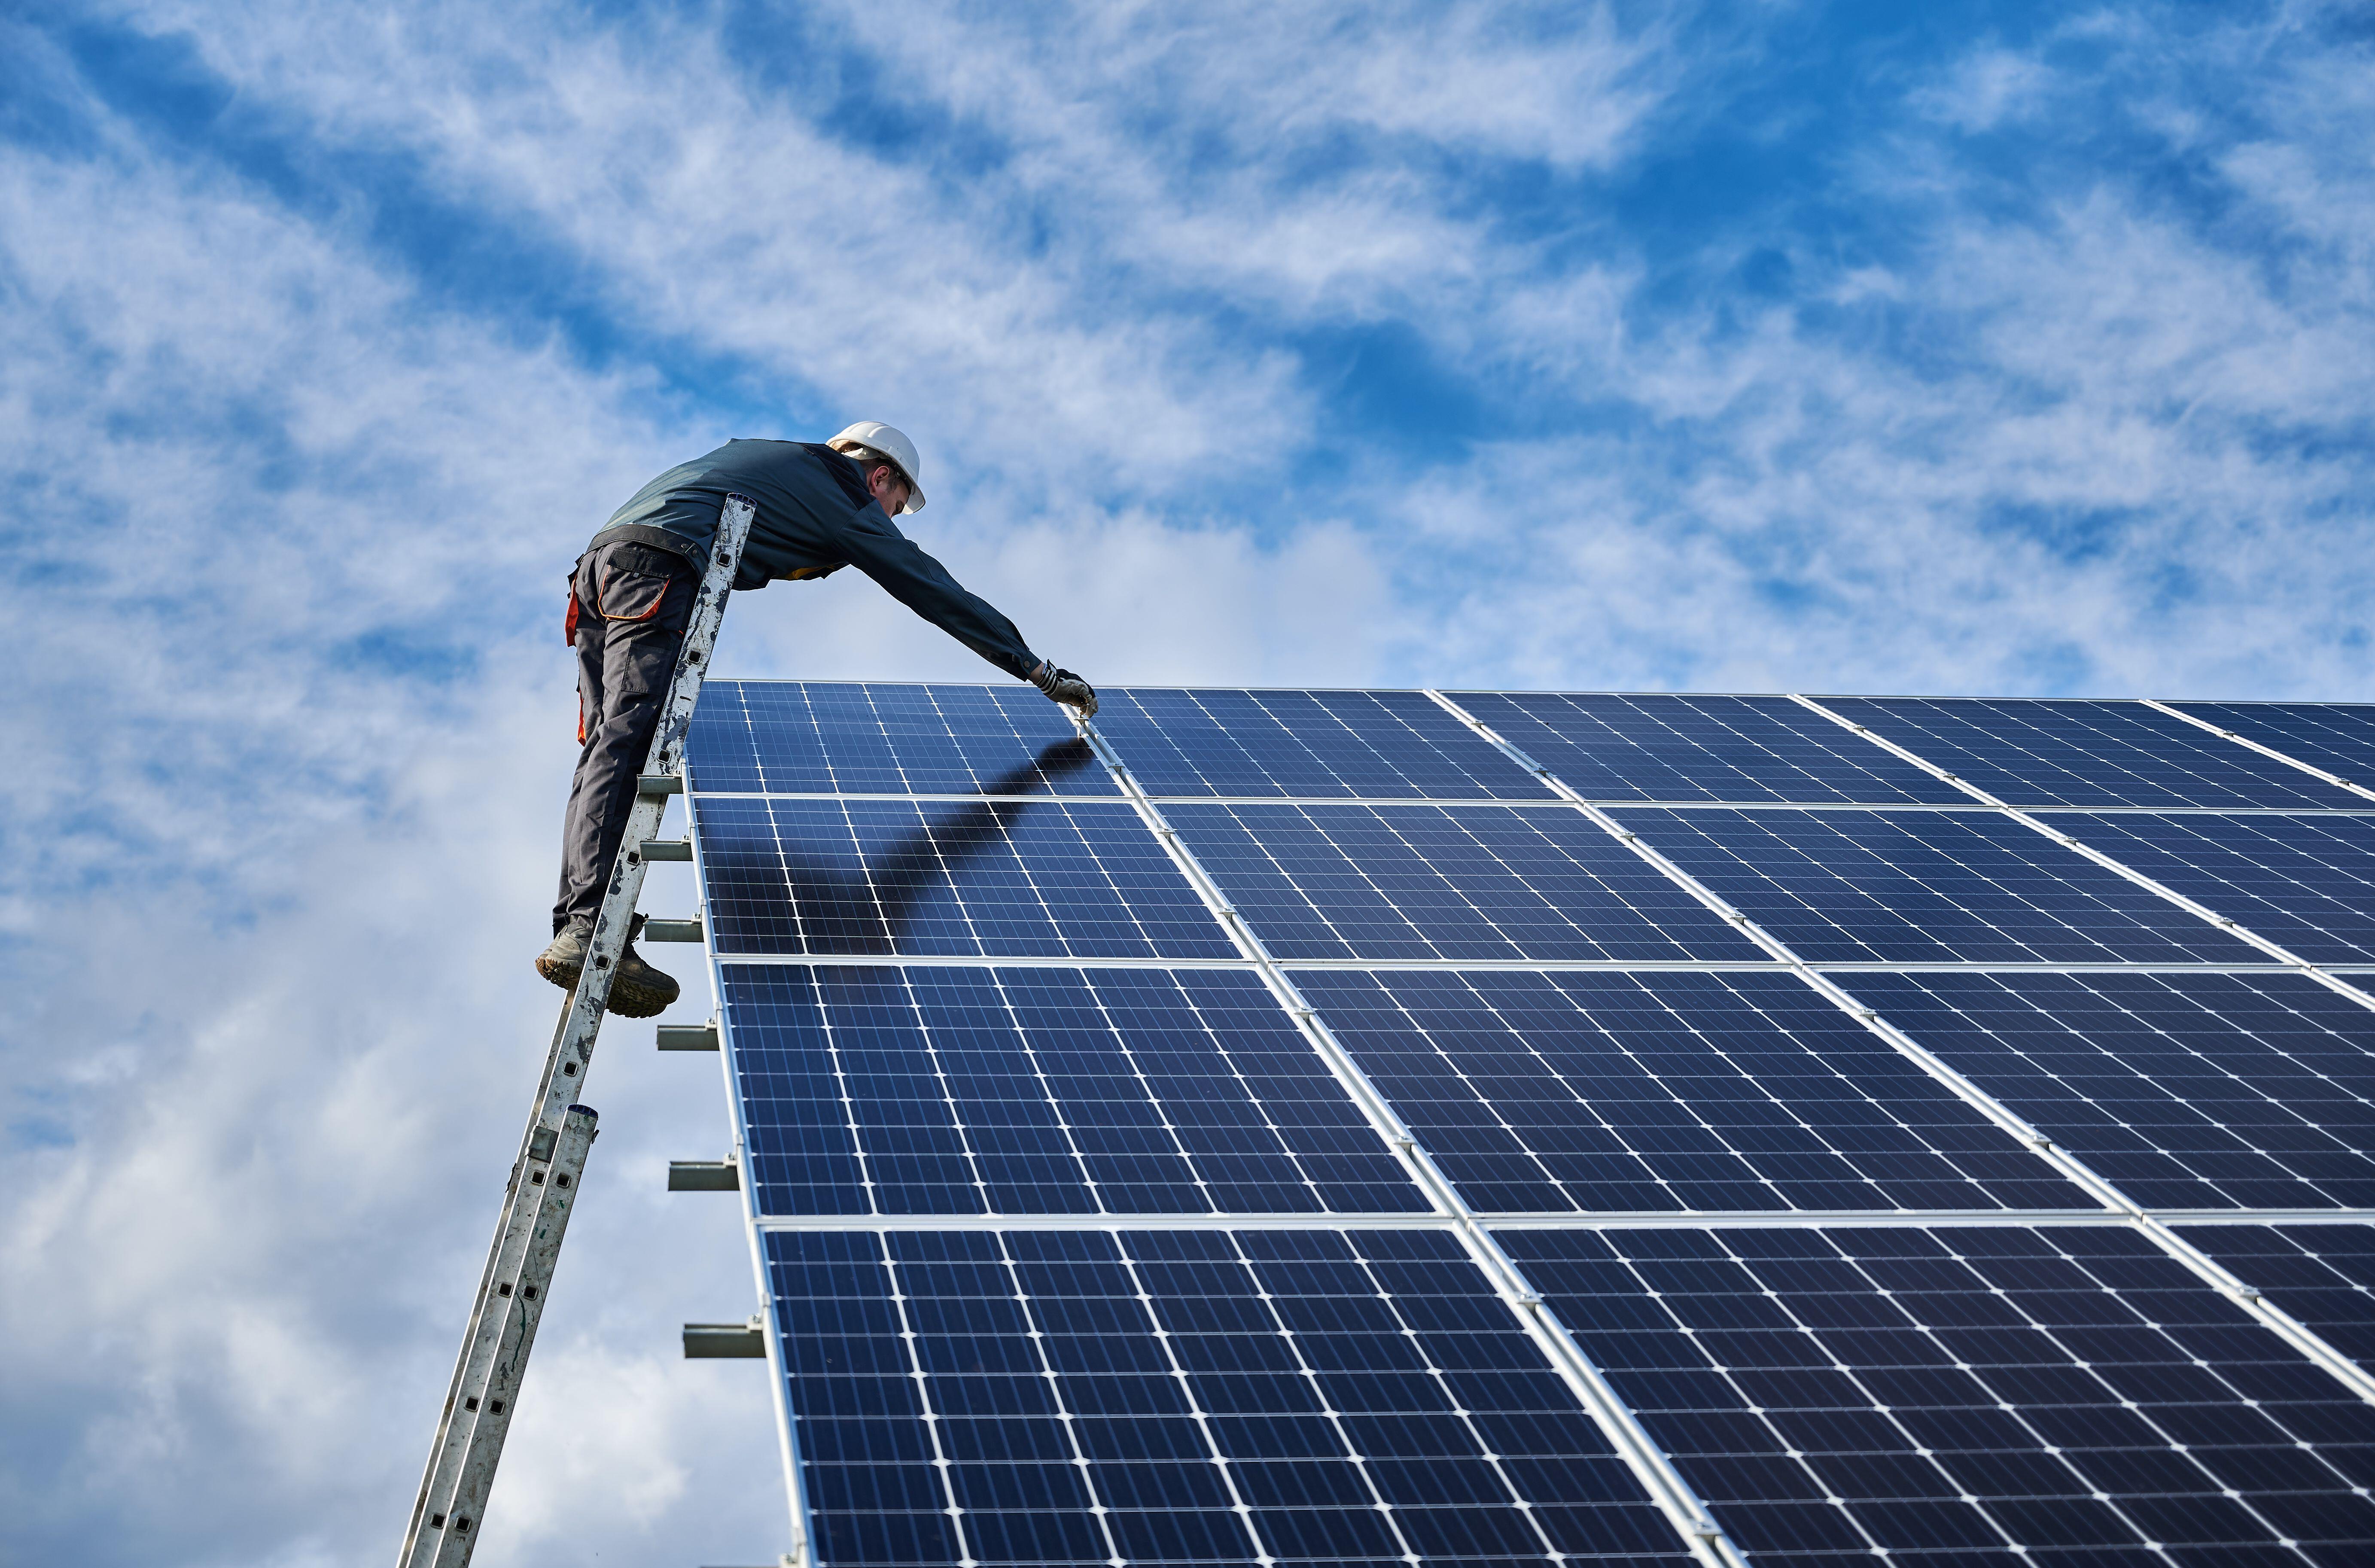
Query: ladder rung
(724, 1341)
(658, 783)
(668, 849)
(704, 1176)
(688, 1037)
(672, 930)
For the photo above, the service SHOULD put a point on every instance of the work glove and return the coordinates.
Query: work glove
(1063, 686)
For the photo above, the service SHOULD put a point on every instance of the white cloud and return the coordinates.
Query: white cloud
(1985, 88)
(1050, 294)
(726, 218)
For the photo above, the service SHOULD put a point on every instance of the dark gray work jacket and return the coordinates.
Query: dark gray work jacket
(814, 518)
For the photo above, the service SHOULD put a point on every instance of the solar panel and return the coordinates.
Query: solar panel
(1325, 882)
(2337, 737)
(1606, 746)
(2053, 1393)
(826, 738)
(945, 1091)
(1002, 879)
(1676, 1092)
(1090, 1234)
(2190, 1090)
(2085, 753)
(2306, 882)
(2323, 1275)
(1925, 887)
(1095, 1398)
(1314, 744)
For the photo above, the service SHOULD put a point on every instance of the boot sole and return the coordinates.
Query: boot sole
(562, 974)
(631, 998)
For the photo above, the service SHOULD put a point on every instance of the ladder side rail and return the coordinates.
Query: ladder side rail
(465, 1443)
(491, 1409)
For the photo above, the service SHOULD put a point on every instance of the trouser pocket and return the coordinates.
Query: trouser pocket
(633, 603)
(627, 594)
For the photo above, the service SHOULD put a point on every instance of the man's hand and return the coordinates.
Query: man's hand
(1063, 686)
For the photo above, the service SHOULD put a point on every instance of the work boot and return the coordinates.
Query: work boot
(636, 991)
(639, 990)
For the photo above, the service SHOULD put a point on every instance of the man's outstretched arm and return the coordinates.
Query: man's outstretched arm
(914, 578)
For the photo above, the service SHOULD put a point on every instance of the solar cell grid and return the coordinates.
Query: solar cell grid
(2085, 754)
(2337, 737)
(1927, 887)
(1093, 1397)
(1644, 1092)
(881, 1090)
(2306, 882)
(1607, 745)
(1389, 745)
(1314, 1394)
(2185, 1090)
(998, 880)
(1322, 881)
(1837, 1393)
(822, 737)
(2323, 1275)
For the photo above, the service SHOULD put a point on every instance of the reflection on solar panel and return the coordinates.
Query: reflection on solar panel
(2189, 1091)
(1927, 887)
(1845, 1392)
(1316, 745)
(1007, 879)
(1336, 1148)
(1430, 881)
(1095, 1398)
(1607, 747)
(2029, 753)
(1041, 1091)
(1608, 1092)
(786, 737)
(2323, 1275)
(2337, 737)
(2306, 882)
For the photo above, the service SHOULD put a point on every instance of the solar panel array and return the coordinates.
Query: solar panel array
(1390, 1127)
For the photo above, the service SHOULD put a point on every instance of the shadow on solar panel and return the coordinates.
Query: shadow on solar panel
(1037, 878)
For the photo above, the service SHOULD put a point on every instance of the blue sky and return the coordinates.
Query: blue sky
(1775, 347)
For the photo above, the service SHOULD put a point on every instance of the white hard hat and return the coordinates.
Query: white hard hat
(880, 438)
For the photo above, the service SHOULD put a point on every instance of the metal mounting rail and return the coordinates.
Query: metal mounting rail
(448, 1515)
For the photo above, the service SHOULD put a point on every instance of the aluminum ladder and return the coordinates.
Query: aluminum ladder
(448, 1516)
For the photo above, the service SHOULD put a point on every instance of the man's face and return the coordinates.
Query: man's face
(890, 489)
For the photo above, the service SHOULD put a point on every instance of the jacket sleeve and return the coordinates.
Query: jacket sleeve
(924, 585)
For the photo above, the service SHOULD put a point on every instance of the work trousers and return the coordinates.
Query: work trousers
(630, 605)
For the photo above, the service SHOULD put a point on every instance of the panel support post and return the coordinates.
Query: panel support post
(448, 1513)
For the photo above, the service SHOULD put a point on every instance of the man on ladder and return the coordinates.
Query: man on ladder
(820, 507)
